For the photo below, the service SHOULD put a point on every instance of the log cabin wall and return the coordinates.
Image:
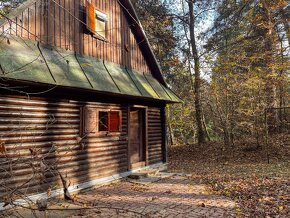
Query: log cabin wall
(41, 135)
(62, 23)
(154, 135)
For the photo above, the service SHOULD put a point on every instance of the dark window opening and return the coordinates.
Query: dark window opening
(103, 121)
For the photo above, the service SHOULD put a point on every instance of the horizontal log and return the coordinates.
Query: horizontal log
(154, 153)
(32, 133)
(155, 138)
(155, 134)
(11, 127)
(154, 143)
(67, 154)
(94, 142)
(155, 159)
(37, 103)
(54, 181)
(38, 115)
(154, 129)
(157, 148)
(74, 149)
(71, 167)
(20, 108)
(37, 121)
(37, 138)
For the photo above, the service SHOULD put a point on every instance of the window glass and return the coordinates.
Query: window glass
(103, 121)
(101, 21)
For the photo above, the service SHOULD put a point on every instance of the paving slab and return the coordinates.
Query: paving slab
(170, 196)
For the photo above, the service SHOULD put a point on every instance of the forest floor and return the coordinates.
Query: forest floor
(259, 188)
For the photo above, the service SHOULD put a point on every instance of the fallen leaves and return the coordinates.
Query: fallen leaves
(260, 189)
(139, 188)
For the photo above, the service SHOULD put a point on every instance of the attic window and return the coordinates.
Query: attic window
(101, 23)
(96, 21)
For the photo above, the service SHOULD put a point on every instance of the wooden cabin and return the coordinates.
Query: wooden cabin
(81, 96)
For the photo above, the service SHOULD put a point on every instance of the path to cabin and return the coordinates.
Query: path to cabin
(175, 196)
(162, 195)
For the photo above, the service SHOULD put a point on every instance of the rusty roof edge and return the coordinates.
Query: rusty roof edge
(143, 36)
(16, 11)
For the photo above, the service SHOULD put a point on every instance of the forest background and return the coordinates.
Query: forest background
(228, 61)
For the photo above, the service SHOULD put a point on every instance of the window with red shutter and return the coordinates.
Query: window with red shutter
(97, 21)
(94, 120)
(109, 121)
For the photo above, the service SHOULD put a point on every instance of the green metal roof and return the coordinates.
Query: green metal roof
(29, 61)
(97, 74)
(142, 84)
(65, 68)
(22, 60)
(122, 79)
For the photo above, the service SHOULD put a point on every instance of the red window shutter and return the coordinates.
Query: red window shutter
(90, 120)
(91, 17)
(114, 121)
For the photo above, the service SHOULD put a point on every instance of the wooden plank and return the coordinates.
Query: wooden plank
(123, 38)
(56, 21)
(63, 24)
(110, 12)
(76, 24)
(31, 22)
(104, 8)
(67, 24)
(50, 23)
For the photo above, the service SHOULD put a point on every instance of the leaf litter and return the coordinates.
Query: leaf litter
(242, 173)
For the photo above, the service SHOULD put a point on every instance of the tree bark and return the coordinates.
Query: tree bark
(286, 25)
(271, 90)
(197, 80)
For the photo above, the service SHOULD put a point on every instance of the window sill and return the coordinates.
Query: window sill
(105, 133)
(98, 37)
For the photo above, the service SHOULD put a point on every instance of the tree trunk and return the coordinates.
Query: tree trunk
(197, 80)
(171, 135)
(271, 90)
(286, 25)
(205, 128)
